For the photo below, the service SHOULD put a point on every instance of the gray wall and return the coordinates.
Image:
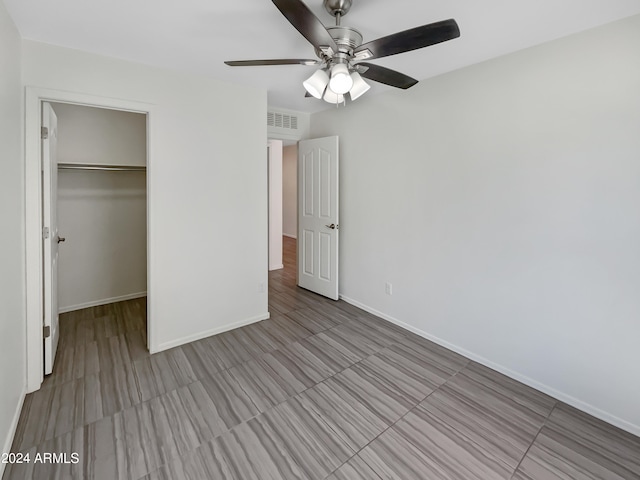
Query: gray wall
(100, 135)
(502, 202)
(12, 256)
(103, 217)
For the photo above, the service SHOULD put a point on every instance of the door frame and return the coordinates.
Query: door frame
(34, 97)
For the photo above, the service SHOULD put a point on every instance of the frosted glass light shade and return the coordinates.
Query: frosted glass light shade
(316, 83)
(359, 86)
(331, 97)
(341, 82)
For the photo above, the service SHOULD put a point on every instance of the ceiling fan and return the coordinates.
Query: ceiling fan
(341, 53)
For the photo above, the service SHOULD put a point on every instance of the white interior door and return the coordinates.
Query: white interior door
(51, 239)
(318, 216)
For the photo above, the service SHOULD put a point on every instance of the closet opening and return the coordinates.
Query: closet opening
(100, 204)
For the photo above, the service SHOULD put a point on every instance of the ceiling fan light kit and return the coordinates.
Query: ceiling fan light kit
(341, 81)
(316, 83)
(341, 52)
(333, 98)
(359, 88)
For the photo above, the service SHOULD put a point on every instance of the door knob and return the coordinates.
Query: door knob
(332, 226)
(61, 239)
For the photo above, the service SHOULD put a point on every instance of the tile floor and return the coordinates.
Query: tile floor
(322, 390)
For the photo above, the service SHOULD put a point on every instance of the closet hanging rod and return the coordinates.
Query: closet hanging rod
(106, 168)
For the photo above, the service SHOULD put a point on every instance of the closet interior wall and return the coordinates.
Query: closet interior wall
(101, 213)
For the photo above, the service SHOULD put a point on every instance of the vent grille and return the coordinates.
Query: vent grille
(282, 120)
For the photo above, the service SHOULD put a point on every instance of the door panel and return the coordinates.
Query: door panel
(51, 241)
(318, 216)
(307, 256)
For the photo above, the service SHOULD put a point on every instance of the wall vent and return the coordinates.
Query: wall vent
(282, 120)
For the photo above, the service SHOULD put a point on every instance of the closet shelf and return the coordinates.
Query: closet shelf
(107, 168)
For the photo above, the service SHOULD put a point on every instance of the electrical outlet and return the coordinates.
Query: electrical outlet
(388, 288)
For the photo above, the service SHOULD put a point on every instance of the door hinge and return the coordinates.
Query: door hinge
(46, 331)
(44, 133)
(45, 232)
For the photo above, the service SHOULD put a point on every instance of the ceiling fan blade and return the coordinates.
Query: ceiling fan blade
(261, 63)
(387, 76)
(306, 23)
(408, 40)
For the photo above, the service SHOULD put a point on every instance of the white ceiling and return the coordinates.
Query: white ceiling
(198, 35)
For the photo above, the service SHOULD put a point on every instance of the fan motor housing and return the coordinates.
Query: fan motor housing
(346, 37)
(335, 7)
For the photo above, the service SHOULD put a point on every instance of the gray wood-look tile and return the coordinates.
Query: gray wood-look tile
(351, 420)
(375, 340)
(354, 469)
(330, 309)
(284, 330)
(297, 377)
(557, 457)
(210, 356)
(320, 390)
(433, 353)
(518, 392)
(312, 320)
(575, 445)
(382, 396)
(247, 451)
(232, 404)
(68, 443)
(261, 337)
(450, 451)
(350, 348)
(396, 361)
(391, 456)
(262, 385)
(231, 350)
(163, 372)
(352, 341)
(311, 361)
(493, 432)
(502, 407)
(619, 447)
(314, 446)
(329, 353)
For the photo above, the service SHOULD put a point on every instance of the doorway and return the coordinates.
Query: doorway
(282, 158)
(283, 211)
(101, 211)
(35, 207)
(303, 197)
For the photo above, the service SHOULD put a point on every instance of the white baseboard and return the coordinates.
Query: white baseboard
(104, 301)
(289, 235)
(209, 333)
(277, 267)
(568, 399)
(12, 428)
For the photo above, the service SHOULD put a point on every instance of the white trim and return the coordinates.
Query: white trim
(12, 428)
(289, 235)
(104, 301)
(209, 333)
(579, 404)
(277, 267)
(34, 96)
